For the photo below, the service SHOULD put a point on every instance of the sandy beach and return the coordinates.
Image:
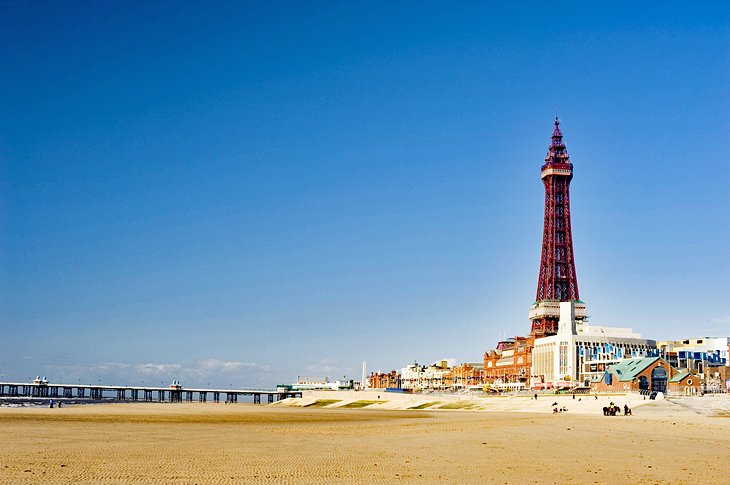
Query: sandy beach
(243, 443)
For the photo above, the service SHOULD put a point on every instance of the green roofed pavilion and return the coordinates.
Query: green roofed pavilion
(627, 370)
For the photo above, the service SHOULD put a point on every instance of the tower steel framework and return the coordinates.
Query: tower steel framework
(556, 280)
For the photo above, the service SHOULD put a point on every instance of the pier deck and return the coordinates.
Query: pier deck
(138, 393)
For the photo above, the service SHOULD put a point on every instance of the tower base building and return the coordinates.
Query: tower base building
(580, 352)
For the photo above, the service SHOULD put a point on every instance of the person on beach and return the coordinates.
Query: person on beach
(609, 410)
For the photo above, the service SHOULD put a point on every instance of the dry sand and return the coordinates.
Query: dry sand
(243, 443)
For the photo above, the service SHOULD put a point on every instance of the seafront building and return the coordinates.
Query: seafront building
(643, 374)
(442, 375)
(309, 383)
(579, 352)
(469, 375)
(700, 355)
(705, 356)
(384, 380)
(436, 377)
(510, 363)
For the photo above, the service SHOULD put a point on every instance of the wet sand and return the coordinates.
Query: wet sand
(217, 443)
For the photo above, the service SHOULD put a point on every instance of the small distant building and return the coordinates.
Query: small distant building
(308, 383)
(716, 379)
(642, 374)
(38, 381)
(685, 383)
(468, 374)
(383, 380)
(435, 377)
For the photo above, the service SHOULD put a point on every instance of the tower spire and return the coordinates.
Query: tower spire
(557, 153)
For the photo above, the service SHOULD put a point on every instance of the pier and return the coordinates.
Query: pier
(174, 393)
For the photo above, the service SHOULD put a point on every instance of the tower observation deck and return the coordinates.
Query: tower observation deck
(556, 280)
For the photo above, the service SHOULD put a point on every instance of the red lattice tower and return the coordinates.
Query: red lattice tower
(556, 281)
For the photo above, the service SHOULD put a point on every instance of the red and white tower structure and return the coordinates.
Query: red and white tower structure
(556, 281)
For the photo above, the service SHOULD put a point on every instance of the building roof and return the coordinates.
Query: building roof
(679, 377)
(627, 370)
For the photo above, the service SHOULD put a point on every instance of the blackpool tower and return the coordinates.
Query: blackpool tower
(556, 280)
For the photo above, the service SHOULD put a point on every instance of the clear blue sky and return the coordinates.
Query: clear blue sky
(240, 194)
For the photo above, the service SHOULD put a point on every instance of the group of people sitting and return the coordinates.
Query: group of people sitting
(557, 410)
